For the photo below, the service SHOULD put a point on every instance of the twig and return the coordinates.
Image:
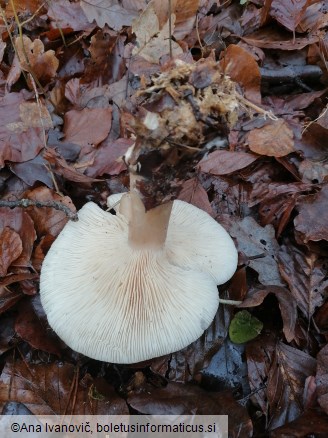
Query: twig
(170, 28)
(24, 203)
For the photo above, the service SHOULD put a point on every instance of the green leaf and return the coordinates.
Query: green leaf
(243, 2)
(244, 327)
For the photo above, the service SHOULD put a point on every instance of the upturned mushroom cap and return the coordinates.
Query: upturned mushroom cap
(116, 289)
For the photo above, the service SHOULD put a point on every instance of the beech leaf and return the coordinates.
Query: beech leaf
(273, 140)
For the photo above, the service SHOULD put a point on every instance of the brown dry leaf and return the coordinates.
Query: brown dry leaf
(179, 399)
(24, 6)
(273, 140)
(20, 222)
(277, 374)
(272, 39)
(10, 249)
(46, 389)
(289, 370)
(322, 378)
(41, 251)
(34, 59)
(61, 167)
(48, 220)
(258, 356)
(153, 41)
(186, 13)
(194, 193)
(110, 12)
(287, 305)
(241, 66)
(65, 14)
(8, 298)
(225, 162)
(305, 276)
(314, 18)
(31, 325)
(33, 170)
(312, 220)
(107, 61)
(19, 141)
(253, 240)
(276, 201)
(311, 422)
(314, 172)
(288, 13)
(107, 159)
(87, 127)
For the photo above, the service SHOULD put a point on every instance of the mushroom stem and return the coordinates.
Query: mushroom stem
(231, 302)
(146, 229)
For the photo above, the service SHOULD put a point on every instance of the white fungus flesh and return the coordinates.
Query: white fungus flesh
(118, 302)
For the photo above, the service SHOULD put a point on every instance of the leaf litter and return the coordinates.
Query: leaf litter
(203, 94)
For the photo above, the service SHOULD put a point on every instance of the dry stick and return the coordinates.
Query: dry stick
(24, 203)
(170, 28)
(198, 36)
(256, 108)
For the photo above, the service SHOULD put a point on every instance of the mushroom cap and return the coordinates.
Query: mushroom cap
(116, 303)
(194, 239)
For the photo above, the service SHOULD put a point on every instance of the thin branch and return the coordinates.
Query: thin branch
(24, 203)
(170, 28)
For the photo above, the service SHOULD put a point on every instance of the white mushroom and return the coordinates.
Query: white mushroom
(137, 285)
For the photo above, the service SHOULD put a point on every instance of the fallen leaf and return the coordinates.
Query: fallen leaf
(18, 141)
(314, 172)
(272, 39)
(31, 326)
(194, 193)
(110, 12)
(46, 389)
(225, 162)
(322, 378)
(48, 220)
(153, 41)
(305, 276)
(88, 126)
(312, 219)
(186, 15)
(288, 372)
(107, 61)
(289, 14)
(312, 421)
(273, 140)
(179, 399)
(10, 249)
(276, 201)
(41, 250)
(24, 6)
(7, 333)
(313, 142)
(277, 373)
(33, 170)
(287, 306)
(34, 59)
(61, 167)
(253, 240)
(241, 66)
(64, 14)
(107, 159)
(19, 221)
(244, 327)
